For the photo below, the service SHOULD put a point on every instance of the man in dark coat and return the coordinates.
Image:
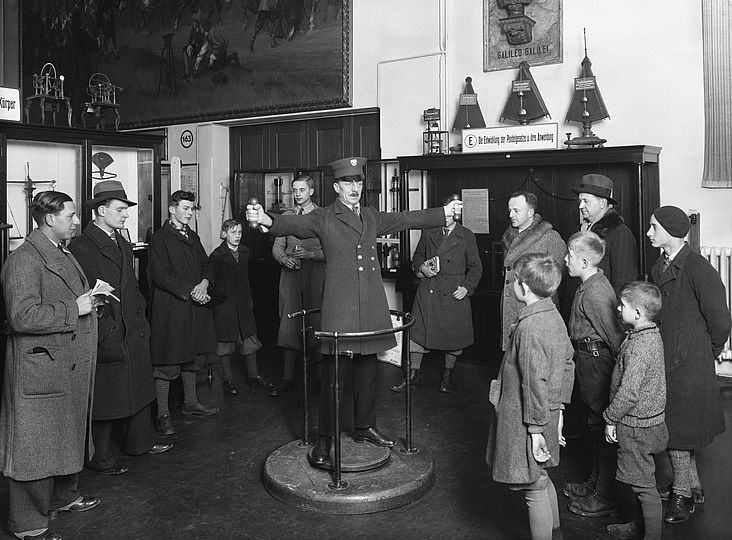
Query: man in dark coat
(123, 387)
(442, 314)
(181, 325)
(695, 323)
(49, 372)
(620, 262)
(353, 299)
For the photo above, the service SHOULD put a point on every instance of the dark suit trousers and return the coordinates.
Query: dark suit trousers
(138, 436)
(363, 369)
(593, 375)
(30, 501)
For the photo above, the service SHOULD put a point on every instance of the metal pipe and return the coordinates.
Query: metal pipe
(306, 424)
(337, 483)
(408, 449)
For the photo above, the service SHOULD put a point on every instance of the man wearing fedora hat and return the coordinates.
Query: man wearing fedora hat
(123, 385)
(620, 262)
(353, 298)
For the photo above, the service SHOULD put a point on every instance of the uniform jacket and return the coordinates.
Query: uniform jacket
(299, 289)
(536, 378)
(123, 383)
(595, 313)
(441, 321)
(180, 327)
(540, 237)
(694, 322)
(354, 299)
(49, 364)
(233, 308)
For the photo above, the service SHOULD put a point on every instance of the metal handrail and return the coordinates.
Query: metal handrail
(338, 483)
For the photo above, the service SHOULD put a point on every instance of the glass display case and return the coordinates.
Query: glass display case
(37, 158)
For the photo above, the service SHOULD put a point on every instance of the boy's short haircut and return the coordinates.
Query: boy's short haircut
(180, 195)
(540, 272)
(226, 225)
(307, 179)
(588, 245)
(531, 199)
(642, 294)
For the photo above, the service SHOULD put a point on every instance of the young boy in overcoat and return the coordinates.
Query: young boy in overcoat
(534, 382)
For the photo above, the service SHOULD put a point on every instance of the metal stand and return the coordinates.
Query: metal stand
(408, 449)
(337, 482)
(306, 424)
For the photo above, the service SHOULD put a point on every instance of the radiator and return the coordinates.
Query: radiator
(721, 260)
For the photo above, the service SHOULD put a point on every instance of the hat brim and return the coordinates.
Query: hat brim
(91, 203)
(595, 192)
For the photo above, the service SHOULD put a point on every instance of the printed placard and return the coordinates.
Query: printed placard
(10, 104)
(511, 138)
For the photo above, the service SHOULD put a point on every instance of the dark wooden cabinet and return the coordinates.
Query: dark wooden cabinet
(551, 176)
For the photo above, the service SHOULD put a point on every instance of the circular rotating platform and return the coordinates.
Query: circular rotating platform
(400, 480)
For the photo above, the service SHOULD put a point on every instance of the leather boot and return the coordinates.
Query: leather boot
(679, 509)
(446, 384)
(413, 380)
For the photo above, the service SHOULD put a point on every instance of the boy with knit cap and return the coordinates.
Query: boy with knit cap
(694, 322)
(634, 419)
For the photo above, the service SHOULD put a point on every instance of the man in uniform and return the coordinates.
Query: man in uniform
(353, 299)
(49, 372)
(528, 233)
(301, 283)
(123, 387)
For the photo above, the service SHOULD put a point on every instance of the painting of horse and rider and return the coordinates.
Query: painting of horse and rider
(181, 61)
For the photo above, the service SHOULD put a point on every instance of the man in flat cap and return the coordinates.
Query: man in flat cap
(49, 372)
(695, 323)
(354, 298)
(123, 386)
(620, 262)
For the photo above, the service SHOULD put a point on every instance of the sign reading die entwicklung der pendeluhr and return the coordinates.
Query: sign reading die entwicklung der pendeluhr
(511, 138)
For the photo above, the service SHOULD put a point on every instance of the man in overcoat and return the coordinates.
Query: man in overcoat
(181, 324)
(302, 277)
(597, 206)
(695, 323)
(123, 385)
(528, 233)
(49, 372)
(354, 299)
(442, 314)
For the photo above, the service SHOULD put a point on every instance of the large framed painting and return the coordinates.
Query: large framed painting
(179, 61)
(521, 30)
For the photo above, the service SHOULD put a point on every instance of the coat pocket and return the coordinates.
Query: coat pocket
(43, 373)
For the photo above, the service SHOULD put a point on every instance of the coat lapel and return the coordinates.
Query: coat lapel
(348, 216)
(57, 262)
(106, 245)
(450, 241)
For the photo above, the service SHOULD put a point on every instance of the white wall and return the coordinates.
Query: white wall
(647, 57)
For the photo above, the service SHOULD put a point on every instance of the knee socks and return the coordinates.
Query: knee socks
(226, 366)
(251, 361)
(681, 464)
(288, 366)
(188, 378)
(540, 513)
(649, 512)
(162, 387)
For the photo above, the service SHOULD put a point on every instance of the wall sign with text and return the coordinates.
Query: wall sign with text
(521, 30)
(511, 138)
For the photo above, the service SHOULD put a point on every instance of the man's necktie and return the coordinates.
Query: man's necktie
(666, 261)
(445, 231)
(113, 236)
(301, 211)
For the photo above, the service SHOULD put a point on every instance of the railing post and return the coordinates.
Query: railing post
(337, 482)
(306, 426)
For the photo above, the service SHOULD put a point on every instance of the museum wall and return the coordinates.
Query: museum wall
(415, 54)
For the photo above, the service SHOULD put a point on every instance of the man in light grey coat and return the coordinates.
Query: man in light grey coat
(49, 372)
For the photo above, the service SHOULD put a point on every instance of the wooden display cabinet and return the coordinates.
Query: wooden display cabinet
(550, 174)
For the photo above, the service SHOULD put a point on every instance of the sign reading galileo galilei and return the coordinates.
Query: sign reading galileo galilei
(511, 138)
(521, 30)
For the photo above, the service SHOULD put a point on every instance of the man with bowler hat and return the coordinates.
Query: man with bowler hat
(123, 386)
(354, 299)
(695, 323)
(596, 204)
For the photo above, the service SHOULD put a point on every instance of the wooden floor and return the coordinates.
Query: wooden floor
(209, 486)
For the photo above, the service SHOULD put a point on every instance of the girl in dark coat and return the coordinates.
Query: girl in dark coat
(232, 305)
